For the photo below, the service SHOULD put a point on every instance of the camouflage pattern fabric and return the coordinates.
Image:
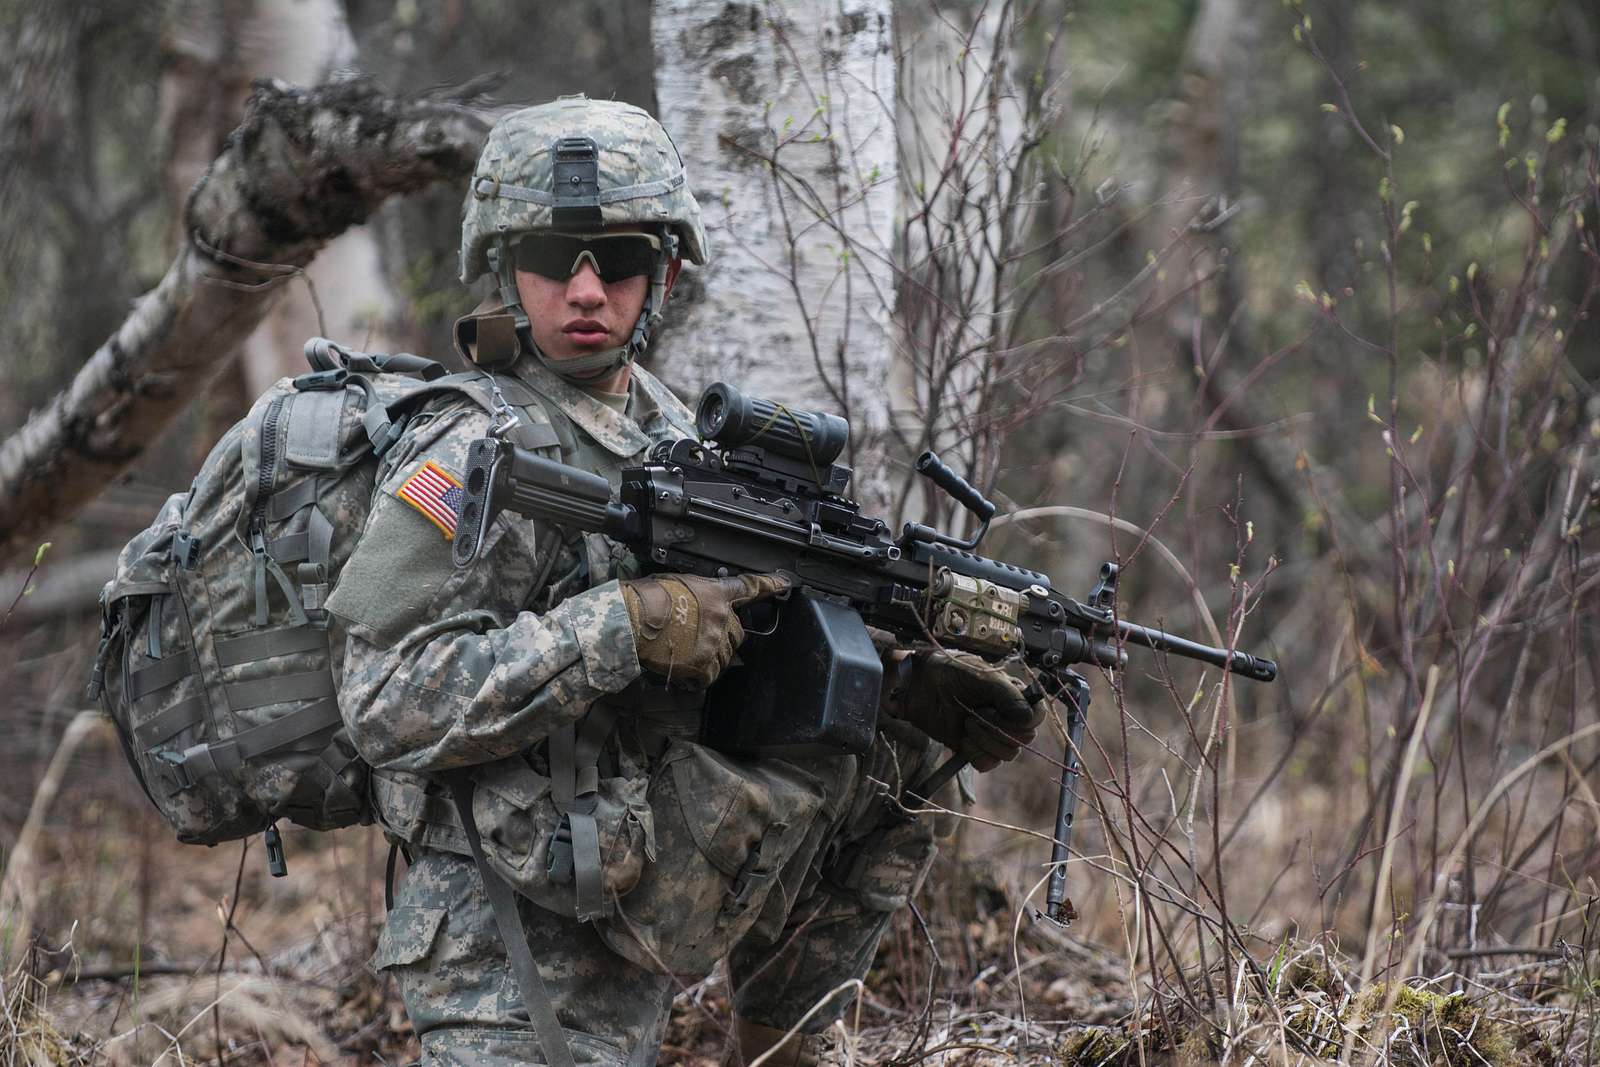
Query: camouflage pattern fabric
(873, 864)
(444, 666)
(641, 176)
(217, 664)
(448, 668)
(444, 950)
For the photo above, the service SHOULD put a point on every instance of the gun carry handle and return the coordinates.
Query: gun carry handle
(478, 505)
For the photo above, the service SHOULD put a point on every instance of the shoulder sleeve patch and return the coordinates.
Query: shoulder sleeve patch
(435, 492)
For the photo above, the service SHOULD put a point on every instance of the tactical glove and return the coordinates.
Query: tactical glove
(685, 628)
(974, 708)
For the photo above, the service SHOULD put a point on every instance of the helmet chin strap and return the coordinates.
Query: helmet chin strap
(585, 371)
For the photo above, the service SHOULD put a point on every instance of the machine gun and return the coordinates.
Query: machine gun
(761, 493)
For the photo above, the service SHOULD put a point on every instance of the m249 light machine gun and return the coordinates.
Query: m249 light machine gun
(761, 493)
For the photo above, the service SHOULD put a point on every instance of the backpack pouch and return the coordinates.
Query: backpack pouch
(158, 699)
(727, 832)
(527, 839)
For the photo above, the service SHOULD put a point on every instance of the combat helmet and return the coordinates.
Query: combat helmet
(573, 164)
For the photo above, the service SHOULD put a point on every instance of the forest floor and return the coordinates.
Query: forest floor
(147, 951)
(131, 964)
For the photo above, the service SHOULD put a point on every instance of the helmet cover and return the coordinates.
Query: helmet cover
(641, 177)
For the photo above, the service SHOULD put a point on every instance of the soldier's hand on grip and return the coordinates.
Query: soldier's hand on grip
(974, 708)
(685, 627)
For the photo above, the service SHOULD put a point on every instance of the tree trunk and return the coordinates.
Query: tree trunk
(960, 126)
(216, 51)
(1202, 149)
(303, 167)
(784, 114)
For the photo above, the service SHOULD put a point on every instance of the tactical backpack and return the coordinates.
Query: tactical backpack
(215, 661)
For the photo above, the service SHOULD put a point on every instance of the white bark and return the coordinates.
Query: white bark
(784, 113)
(961, 125)
(217, 50)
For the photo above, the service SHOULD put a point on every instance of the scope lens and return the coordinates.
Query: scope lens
(713, 413)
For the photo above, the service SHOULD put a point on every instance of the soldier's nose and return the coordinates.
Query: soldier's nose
(585, 288)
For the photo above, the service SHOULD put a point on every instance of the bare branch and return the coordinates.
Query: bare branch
(305, 165)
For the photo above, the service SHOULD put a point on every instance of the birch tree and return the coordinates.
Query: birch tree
(784, 113)
(302, 168)
(960, 123)
(216, 51)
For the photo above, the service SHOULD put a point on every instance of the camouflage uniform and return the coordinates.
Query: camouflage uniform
(477, 667)
(448, 668)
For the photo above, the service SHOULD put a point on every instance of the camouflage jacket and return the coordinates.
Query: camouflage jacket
(448, 668)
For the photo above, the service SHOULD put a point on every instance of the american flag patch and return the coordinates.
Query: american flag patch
(436, 493)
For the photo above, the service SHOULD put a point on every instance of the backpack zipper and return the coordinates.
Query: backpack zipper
(266, 477)
(267, 472)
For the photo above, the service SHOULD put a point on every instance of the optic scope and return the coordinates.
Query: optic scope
(732, 419)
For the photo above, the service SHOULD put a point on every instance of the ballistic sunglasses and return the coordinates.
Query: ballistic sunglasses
(614, 256)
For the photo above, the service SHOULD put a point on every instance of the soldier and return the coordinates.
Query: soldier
(552, 694)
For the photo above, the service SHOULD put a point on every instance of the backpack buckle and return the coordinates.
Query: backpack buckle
(277, 864)
(313, 587)
(750, 877)
(321, 379)
(385, 439)
(172, 770)
(562, 869)
(185, 550)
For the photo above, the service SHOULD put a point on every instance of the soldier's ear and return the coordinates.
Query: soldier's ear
(672, 274)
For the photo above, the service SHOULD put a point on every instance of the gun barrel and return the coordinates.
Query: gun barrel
(1257, 667)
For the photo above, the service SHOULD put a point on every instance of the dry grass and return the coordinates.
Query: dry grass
(1009, 988)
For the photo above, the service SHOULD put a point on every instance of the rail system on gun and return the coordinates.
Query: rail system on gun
(761, 492)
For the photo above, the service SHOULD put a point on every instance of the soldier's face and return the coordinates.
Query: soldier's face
(583, 314)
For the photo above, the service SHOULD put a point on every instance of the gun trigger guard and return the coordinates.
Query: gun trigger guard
(753, 614)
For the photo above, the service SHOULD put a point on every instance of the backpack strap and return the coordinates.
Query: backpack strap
(305, 730)
(528, 431)
(574, 751)
(525, 396)
(535, 995)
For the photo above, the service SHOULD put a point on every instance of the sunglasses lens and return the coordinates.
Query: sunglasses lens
(548, 257)
(625, 257)
(556, 256)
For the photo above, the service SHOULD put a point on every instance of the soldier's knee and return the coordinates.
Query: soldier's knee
(884, 870)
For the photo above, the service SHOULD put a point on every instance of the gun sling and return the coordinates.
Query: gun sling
(535, 995)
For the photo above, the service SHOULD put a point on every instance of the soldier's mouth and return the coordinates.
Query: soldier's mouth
(586, 332)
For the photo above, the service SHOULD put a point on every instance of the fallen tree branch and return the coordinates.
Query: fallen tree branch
(303, 166)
